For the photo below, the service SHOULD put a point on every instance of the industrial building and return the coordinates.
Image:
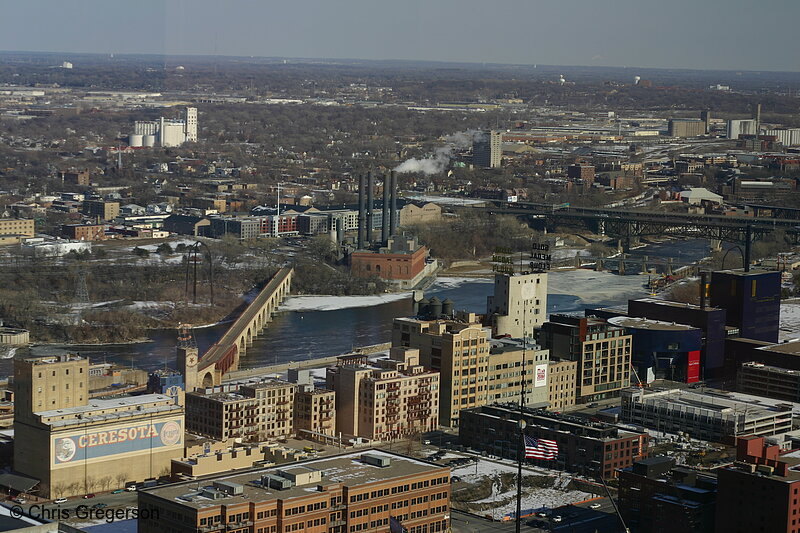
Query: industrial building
(786, 136)
(759, 492)
(74, 445)
(708, 415)
(165, 132)
(253, 411)
(518, 305)
(387, 399)
(602, 351)
(654, 492)
(402, 262)
(369, 491)
(686, 127)
(741, 127)
(584, 447)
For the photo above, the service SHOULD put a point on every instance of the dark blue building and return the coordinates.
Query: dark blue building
(161, 381)
(752, 301)
(663, 350)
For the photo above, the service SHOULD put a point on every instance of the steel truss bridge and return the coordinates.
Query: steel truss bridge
(628, 226)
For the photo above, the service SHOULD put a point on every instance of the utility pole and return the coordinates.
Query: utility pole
(522, 423)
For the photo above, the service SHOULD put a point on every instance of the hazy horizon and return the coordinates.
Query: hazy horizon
(682, 34)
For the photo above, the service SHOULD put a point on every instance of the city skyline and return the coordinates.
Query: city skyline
(712, 35)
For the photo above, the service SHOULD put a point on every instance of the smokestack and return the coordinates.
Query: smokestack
(370, 205)
(703, 287)
(393, 204)
(758, 119)
(361, 212)
(385, 211)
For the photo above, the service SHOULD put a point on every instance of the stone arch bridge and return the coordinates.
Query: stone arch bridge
(224, 355)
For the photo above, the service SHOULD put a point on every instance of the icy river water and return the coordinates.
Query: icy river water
(310, 327)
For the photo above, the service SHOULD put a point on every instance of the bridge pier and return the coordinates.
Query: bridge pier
(644, 264)
(621, 267)
(716, 245)
(598, 265)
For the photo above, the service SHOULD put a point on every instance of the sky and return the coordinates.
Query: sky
(697, 34)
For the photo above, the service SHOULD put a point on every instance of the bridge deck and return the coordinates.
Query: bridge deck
(229, 339)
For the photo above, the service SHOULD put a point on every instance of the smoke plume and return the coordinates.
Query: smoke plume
(438, 162)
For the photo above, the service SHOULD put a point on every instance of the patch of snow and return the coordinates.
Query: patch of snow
(451, 282)
(790, 322)
(596, 287)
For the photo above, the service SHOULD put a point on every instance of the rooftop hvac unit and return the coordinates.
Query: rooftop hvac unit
(212, 494)
(232, 489)
(376, 460)
(276, 482)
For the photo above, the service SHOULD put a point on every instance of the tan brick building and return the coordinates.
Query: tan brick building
(504, 373)
(350, 492)
(315, 411)
(561, 384)
(17, 227)
(387, 399)
(102, 209)
(254, 411)
(459, 350)
(74, 445)
(423, 213)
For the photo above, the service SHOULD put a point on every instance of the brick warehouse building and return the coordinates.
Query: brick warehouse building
(588, 448)
(350, 492)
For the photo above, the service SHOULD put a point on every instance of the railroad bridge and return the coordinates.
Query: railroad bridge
(628, 226)
(223, 356)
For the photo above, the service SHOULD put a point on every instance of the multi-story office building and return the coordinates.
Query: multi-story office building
(73, 445)
(760, 492)
(518, 305)
(17, 226)
(602, 351)
(710, 415)
(101, 208)
(770, 381)
(253, 411)
(654, 492)
(371, 491)
(459, 350)
(590, 448)
(487, 150)
(240, 227)
(387, 399)
(561, 384)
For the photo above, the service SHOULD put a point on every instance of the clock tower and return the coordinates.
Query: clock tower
(188, 356)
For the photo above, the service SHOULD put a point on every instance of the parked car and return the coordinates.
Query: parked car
(99, 505)
(19, 500)
(557, 518)
(118, 491)
(59, 501)
(595, 506)
(87, 496)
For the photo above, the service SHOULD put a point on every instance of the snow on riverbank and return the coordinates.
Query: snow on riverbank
(334, 303)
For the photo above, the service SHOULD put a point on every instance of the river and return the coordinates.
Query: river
(310, 332)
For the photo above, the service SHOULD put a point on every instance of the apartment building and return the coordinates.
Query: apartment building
(561, 384)
(602, 351)
(387, 399)
(254, 411)
(459, 350)
(372, 491)
(315, 411)
(504, 372)
(101, 208)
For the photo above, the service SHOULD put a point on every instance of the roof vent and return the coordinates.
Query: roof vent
(380, 461)
(275, 482)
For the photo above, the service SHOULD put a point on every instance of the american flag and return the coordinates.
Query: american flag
(540, 448)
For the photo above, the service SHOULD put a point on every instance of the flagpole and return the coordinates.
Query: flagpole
(521, 444)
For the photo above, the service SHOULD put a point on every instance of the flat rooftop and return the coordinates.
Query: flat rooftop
(714, 400)
(347, 469)
(131, 406)
(645, 323)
